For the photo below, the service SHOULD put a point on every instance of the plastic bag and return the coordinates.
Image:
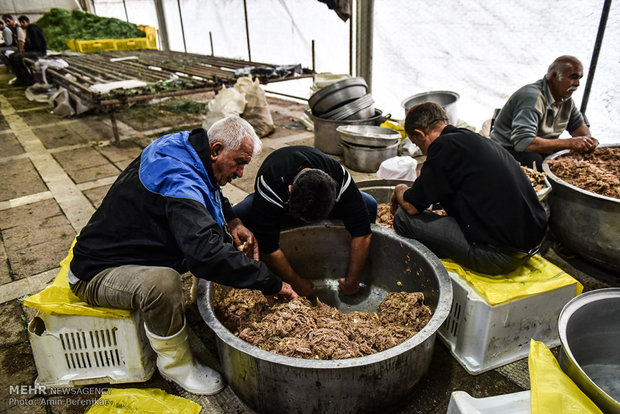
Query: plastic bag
(147, 401)
(537, 275)
(256, 110)
(58, 299)
(553, 392)
(229, 101)
(398, 168)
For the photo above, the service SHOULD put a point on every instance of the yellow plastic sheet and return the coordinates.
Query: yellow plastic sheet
(58, 299)
(144, 401)
(537, 275)
(553, 392)
(393, 125)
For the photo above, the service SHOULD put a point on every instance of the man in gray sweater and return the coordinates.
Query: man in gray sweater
(531, 122)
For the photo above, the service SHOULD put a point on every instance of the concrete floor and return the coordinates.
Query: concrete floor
(54, 172)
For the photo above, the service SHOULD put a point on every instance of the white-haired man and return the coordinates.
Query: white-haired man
(532, 120)
(165, 215)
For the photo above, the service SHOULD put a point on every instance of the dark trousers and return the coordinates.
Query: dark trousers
(443, 235)
(243, 209)
(22, 72)
(528, 159)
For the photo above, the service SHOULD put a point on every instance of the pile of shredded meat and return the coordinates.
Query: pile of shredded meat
(384, 215)
(298, 329)
(597, 171)
(536, 178)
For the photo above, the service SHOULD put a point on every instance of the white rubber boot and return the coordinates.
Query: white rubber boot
(176, 363)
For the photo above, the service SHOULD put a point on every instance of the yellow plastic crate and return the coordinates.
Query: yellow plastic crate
(103, 45)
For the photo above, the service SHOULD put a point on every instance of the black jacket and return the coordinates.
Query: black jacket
(164, 210)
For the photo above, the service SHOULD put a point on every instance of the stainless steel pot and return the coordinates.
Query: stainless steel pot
(380, 190)
(360, 108)
(337, 94)
(327, 139)
(446, 99)
(367, 159)
(271, 383)
(368, 135)
(590, 334)
(585, 222)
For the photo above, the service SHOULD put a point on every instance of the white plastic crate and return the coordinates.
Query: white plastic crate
(482, 337)
(72, 350)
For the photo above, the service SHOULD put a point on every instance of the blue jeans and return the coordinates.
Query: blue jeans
(243, 209)
(443, 235)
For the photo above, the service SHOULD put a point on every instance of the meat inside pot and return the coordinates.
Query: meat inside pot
(299, 329)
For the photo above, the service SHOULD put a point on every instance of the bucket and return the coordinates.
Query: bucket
(327, 139)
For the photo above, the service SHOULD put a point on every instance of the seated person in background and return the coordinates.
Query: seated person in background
(33, 47)
(534, 117)
(299, 184)
(9, 31)
(165, 215)
(495, 222)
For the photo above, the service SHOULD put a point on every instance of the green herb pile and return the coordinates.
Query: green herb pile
(60, 25)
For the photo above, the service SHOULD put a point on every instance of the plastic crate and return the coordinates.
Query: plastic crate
(482, 337)
(71, 350)
(103, 45)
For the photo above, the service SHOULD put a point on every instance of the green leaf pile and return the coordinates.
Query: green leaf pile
(60, 25)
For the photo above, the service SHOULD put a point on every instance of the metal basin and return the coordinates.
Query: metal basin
(590, 333)
(368, 135)
(327, 139)
(380, 190)
(446, 99)
(271, 383)
(361, 108)
(337, 94)
(367, 159)
(585, 222)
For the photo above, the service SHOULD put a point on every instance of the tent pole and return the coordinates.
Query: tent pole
(595, 53)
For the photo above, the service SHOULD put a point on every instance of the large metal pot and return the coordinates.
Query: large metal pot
(271, 383)
(361, 108)
(367, 159)
(585, 222)
(381, 189)
(590, 333)
(327, 139)
(446, 99)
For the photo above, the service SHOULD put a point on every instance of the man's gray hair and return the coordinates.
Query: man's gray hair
(561, 65)
(232, 131)
(426, 117)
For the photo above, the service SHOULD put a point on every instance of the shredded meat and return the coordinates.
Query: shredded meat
(384, 215)
(536, 178)
(298, 329)
(597, 171)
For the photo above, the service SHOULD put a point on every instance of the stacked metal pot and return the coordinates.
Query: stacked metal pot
(346, 102)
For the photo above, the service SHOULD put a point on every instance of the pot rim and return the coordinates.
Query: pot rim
(444, 303)
(417, 95)
(571, 307)
(557, 180)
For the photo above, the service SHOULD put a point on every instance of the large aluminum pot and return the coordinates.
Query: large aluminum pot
(272, 383)
(381, 189)
(367, 159)
(327, 139)
(368, 135)
(590, 333)
(585, 222)
(446, 99)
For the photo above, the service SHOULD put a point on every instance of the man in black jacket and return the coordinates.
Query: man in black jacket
(299, 184)
(33, 48)
(165, 215)
(495, 221)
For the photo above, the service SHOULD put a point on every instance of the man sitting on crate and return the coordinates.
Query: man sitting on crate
(299, 184)
(495, 221)
(165, 215)
(530, 123)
